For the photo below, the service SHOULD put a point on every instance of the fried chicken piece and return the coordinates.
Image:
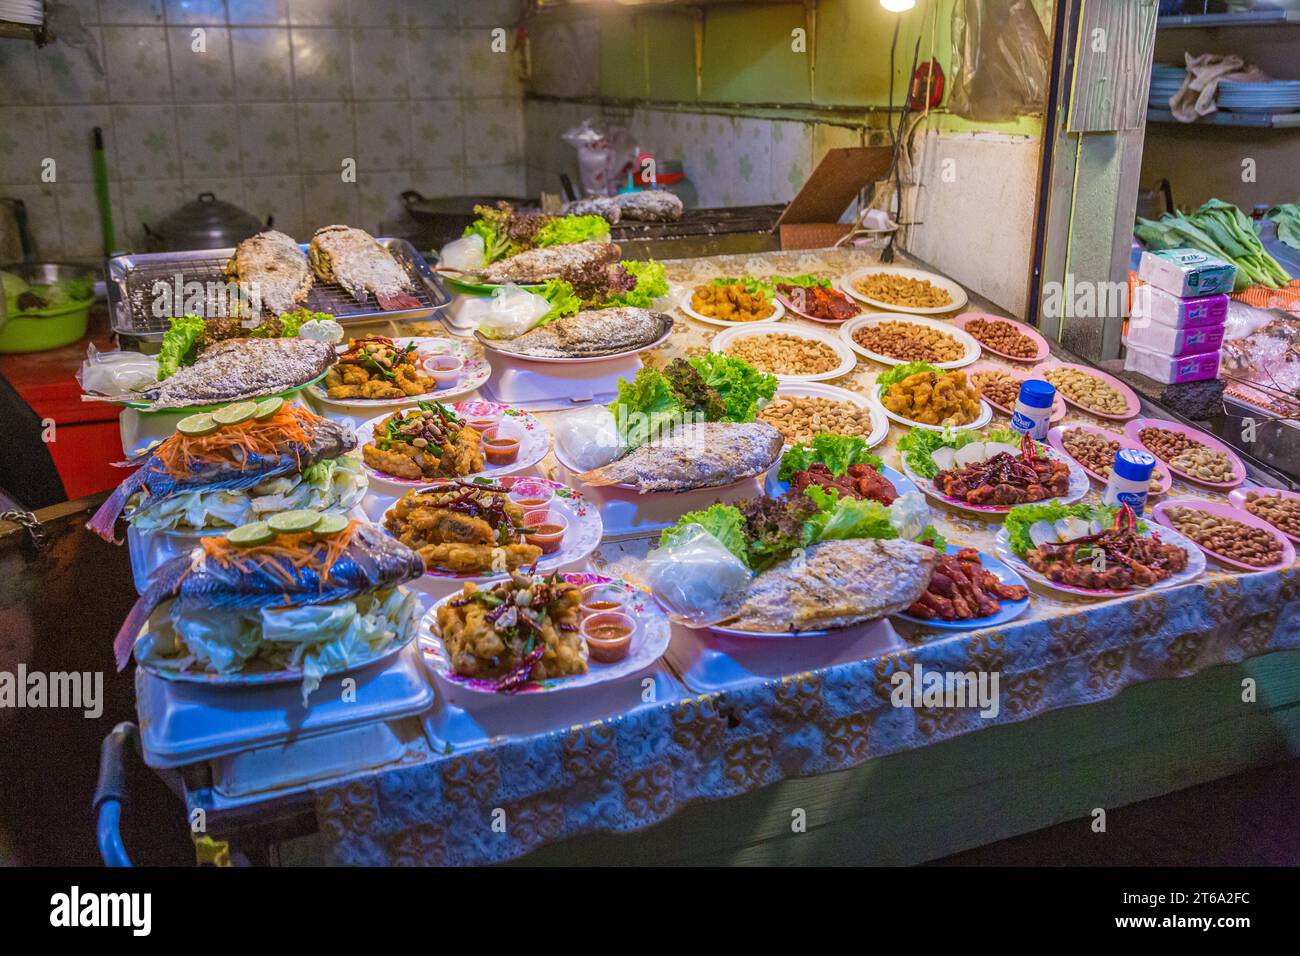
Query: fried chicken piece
(461, 558)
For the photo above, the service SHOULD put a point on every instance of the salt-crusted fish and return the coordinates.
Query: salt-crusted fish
(837, 584)
(650, 205)
(290, 441)
(702, 455)
(241, 368)
(356, 261)
(592, 333)
(271, 268)
(538, 265)
(289, 570)
(604, 206)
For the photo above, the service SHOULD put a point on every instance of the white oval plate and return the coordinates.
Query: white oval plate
(648, 645)
(684, 303)
(879, 423)
(476, 372)
(948, 285)
(585, 531)
(984, 417)
(1079, 485)
(1195, 565)
(534, 443)
(847, 359)
(961, 335)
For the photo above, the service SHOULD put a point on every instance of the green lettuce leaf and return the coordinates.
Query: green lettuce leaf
(900, 372)
(918, 445)
(564, 230)
(759, 287)
(646, 407)
(564, 301)
(1021, 517)
(651, 284)
(842, 518)
(178, 344)
(806, 281)
(724, 522)
(741, 385)
(837, 452)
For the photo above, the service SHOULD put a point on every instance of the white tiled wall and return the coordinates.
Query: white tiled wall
(284, 91)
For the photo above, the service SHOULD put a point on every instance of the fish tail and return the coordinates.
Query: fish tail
(106, 517)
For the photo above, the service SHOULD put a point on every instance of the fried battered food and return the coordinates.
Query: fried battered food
(934, 398)
(901, 290)
(731, 303)
(425, 442)
(462, 528)
(525, 628)
(378, 368)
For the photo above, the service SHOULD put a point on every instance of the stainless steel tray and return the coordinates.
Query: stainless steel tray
(132, 278)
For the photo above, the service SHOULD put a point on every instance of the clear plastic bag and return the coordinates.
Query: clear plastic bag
(511, 312)
(589, 437)
(465, 254)
(1001, 57)
(696, 578)
(117, 372)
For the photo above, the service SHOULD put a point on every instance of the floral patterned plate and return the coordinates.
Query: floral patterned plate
(534, 441)
(475, 373)
(648, 644)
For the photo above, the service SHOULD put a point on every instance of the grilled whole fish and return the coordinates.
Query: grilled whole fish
(352, 258)
(538, 265)
(592, 333)
(241, 368)
(650, 205)
(264, 576)
(272, 269)
(604, 206)
(837, 584)
(327, 440)
(703, 455)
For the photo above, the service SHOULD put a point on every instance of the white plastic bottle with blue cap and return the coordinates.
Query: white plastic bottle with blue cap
(1032, 415)
(1130, 479)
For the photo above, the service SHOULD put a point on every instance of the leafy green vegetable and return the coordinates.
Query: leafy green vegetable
(741, 385)
(1287, 217)
(837, 452)
(759, 287)
(1220, 229)
(646, 407)
(918, 445)
(841, 518)
(565, 230)
(696, 395)
(931, 534)
(178, 344)
(1022, 517)
(724, 522)
(806, 281)
(651, 284)
(563, 300)
(774, 527)
(900, 372)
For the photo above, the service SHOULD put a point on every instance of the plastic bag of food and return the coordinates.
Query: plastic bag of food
(511, 312)
(696, 578)
(113, 373)
(589, 437)
(465, 254)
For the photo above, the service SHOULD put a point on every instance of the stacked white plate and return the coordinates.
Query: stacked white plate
(1275, 96)
(22, 11)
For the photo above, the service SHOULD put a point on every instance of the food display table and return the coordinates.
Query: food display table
(494, 779)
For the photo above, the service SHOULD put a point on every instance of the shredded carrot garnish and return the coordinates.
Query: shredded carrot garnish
(291, 429)
(294, 550)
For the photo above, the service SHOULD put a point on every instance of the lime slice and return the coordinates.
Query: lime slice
(236, 413)
(196, 425)
(268, 407)
(294, 522)
(251, 535)
(330, 525)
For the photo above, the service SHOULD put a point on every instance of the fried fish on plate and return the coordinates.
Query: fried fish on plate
(836, 584)
(538, 265)
(591, 333)
(271, 265)
(703, 455)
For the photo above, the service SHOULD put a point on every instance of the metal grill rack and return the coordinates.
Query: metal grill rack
(132, 281)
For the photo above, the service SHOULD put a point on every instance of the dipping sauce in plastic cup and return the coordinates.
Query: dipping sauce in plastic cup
(499, 448)
(481, 416)
(599, 598)
(545, 529)
(531, 495)
(445, 369)
(608, 636)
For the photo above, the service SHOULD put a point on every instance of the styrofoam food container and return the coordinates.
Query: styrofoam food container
(1173, 342)
(1152, 305)
(1167, 369)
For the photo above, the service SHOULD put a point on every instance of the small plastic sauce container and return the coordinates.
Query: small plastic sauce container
(445, 369)
(531, 495)
(1032, 415)
(498, 447)
(608, 636)
(545, 529)
(482, 417)
(602, 598)
(1130, 479)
